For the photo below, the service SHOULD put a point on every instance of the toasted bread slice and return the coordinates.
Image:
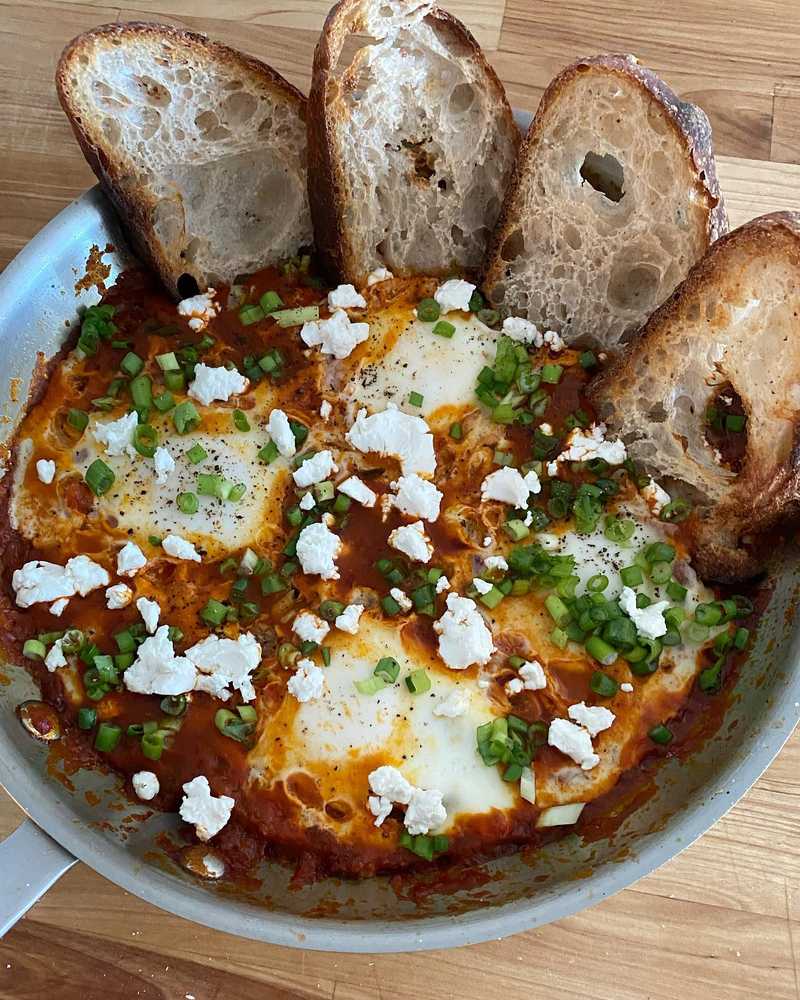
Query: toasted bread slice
(732, 328)
(411, 142)
(201, 148)
(613, 199)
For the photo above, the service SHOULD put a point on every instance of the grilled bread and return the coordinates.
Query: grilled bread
(728, 337)
(411, 142)
(202, 149)
(613, 199)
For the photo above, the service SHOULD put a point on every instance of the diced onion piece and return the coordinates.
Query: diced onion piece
(527, 785)
(560, 815)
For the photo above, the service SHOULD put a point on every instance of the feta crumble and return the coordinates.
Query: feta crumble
(163, 465)
(315, 469)
(117, 435)
(482, 586)
(553, 341)
(454, 295)
(387, 782)
(649, 621)
(200, 309)
(145, 784)
(594, 719)
(533, 675)
(307, 682)
(282, 435)
(306, 501)
(130, 559)
(656, 497)
(55, 656)
(310, 627)
(392, 432)
(514, 686)
(425, 811)
(442, 584)
(348, 620)
(150, 612)
(401, 598)
(522, 330)
(325, 409)
(358, 491)
(225, 663)
(118, 596)
(380, 807)
(58, 607)
(46, 470)
(179, 548)
(626, 687)
(509, 486)
(585, 445)
(378, 275)
(495, 563)
(211, 384)
(209, 813)
(417, 497)
(345, 297)
(40, 581)
(157, 670)
(464, 638)
(573, 741)
(454, 705)
(411, 540)
(336, 336)
(317, 548)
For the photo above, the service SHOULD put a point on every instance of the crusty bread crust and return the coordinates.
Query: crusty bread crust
(691, 130)
(328, 186)
(739, 305)
(135, 203)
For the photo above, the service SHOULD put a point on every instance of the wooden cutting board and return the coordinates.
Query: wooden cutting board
(720, 921)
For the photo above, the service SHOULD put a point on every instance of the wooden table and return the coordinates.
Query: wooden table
(721, 921)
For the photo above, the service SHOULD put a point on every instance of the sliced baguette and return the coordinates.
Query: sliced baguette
(201, 148)
(411, 142)
(568, 252)
(736, 319)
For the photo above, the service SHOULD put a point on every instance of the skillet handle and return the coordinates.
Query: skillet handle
(30, 862)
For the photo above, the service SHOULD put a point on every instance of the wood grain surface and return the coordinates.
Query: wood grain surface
(722, 920)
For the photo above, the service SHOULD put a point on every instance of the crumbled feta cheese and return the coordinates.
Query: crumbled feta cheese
(306, 501)
(553, 341)
(585, 445)
(317, 548)
(514, 686)
(401, 598)
(163, 465)
(425, 811)
(546, 429)
(336, 336)
(380, 807)
(225, 663)
(626, 687)
(392, 432)
(118, 596)
(199, 309)
(533, 676)
(282, 435)
(387, 782)
(325, 409)
(146, 785)
(211, 384)
(378, 275)
(454, 705)
(552, 469)
(548, 542)
(411, 540)
(345, 297)
(594, 719)
(522, 330)
(310, 627)
(46, 470)
(417, 497)
(214, 867)
(58, 607)
(117, 435)
(157, 670)
(130, 559)
(487, 542)
(150, 612)
(358, 491)
(509, 486)
(55, 656)
(45, 581)
(442, 584)
(209, 813)
(482, 586)
(307, 682)
(348, 620)
(495, 563)
(315, 469)
(574, 742)
(175, 545)
(464, 638)
(649, 621)
(656, 497)
(454, 294)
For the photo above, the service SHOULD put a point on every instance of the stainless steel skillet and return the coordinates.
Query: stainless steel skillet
(36, 301)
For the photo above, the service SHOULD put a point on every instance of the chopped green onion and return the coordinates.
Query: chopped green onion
(237, 491)
(99, 477)
(330, 610)
(418, 682)
(268, 453)
(675, 591)
(371, 685)
(250, 314)
(214, 612)
(741, 638)
(597, 584)
(174, 380)
(587, 359)
(675, 511)
(131, 364)
(87, 718)
(603, 685)
(196, 454)
(516, 529)
(152, 745)
(78, 419)
(142, 391)
(390, 605)
(145, 439)
(600, 650)
(234, 726)
(734, 422)
(185, 417)
(415, 399)
(270, 301)
(240, 421)
(168, 362)
(388, 668)
(174, 704)
(456, 432)
(296, 317)
(107, 737)
(661, 735)
(558, 611)
(428, 310)
(552, 374)
(34, 649)
(164, 402)
(444, 329)
(631, 576)
(476, 302)
(187, 503)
